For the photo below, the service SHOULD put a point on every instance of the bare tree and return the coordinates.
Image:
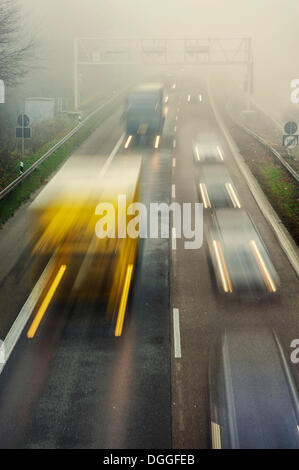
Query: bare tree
(16, 47)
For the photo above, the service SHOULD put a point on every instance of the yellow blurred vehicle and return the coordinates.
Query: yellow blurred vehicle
(64, 220)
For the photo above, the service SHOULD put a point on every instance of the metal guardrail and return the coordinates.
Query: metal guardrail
(292, 172)
(59, 144)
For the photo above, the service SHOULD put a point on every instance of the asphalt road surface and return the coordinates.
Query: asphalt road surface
(75, 386)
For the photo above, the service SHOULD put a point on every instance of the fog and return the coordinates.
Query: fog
(272, 24)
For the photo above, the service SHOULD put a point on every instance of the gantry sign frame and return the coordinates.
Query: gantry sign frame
(91, 51)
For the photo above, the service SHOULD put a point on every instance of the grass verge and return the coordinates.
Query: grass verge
(284, 196)
(280, 188)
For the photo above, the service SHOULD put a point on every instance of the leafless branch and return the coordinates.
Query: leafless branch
(16, 46)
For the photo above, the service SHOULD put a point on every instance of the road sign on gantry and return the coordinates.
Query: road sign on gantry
(98, 51)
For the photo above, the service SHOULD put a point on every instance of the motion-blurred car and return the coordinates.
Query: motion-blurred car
(253, 397)
(206, 149)
(239, 257)
(216, 188)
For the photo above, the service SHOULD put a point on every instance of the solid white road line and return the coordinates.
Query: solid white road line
(25, 313)
(112, 155)
(176, 333)
(173, 238)
(173, 191)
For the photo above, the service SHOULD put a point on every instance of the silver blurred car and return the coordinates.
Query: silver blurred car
(239, 257)
(216, 188)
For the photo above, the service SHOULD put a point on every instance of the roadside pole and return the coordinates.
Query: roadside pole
(23, 144)
(23, 132)
(76, 77)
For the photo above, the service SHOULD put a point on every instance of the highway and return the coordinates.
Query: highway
(76, 386)
(203, 313)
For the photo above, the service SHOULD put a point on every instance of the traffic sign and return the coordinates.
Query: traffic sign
(2, 91)
(290, 141)
(23, 120)
(25, 135)
(290, 127)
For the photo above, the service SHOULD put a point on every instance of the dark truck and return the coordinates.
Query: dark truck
(144, 112)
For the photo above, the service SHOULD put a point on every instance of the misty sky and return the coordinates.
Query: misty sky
(171, 18)
(273, 24)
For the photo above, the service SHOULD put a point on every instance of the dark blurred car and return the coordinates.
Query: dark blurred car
(253, 396)
(216, 188)
(239, 257)
(206, 149)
